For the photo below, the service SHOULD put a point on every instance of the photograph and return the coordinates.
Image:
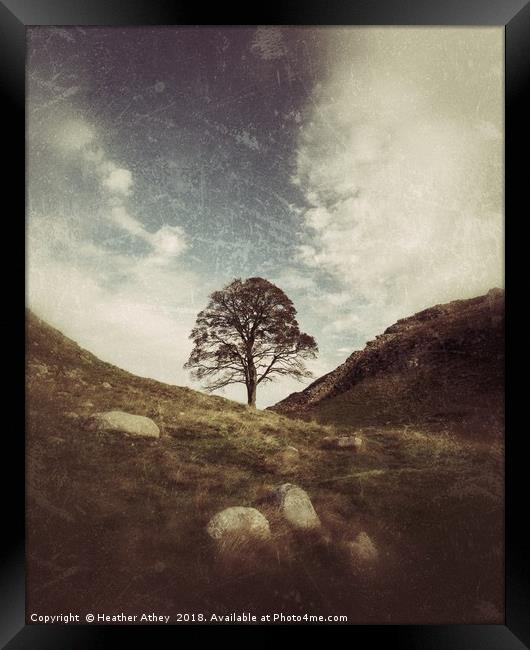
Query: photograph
(265, 346)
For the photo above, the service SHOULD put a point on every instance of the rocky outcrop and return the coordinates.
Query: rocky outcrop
(422, 366)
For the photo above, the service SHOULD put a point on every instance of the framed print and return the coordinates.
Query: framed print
(264, 319)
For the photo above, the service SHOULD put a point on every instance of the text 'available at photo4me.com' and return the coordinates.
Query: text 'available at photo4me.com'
(101, 618)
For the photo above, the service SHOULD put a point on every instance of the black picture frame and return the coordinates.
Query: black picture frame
(15, 16)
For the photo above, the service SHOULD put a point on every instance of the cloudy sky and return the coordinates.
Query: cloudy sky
(360, 169)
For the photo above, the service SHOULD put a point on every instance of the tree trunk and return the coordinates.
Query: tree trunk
(251, 394)
(251, 384)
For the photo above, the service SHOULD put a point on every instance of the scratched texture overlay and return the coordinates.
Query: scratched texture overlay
(359, 169)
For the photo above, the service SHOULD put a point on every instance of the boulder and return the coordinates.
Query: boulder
(296, 507)
(106, 384)
(133, 425)
(363, 548)
(240, 522)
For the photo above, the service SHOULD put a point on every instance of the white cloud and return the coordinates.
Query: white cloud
(343, 323)
(123, 219)
(78, 137)
(135, 311)
(403, 181)
(119, 180)
(317, 218)
(74, 135)
(167, 243)
(141, 324)
(292, 279)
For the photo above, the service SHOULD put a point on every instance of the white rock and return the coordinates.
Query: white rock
(363, 548)
(240, 521)
(133, 425)
(106, 384)
(296, 507)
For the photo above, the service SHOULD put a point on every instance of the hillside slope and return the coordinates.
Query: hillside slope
(117, 524)
(442, 367)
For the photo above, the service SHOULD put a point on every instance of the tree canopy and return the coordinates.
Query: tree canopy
(248, 334)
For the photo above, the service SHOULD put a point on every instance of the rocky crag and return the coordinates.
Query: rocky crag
(442, 365)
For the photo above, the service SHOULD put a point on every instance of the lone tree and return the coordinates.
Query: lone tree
(248, 334)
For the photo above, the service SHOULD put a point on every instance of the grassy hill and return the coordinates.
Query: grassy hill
(441, 369)
(117, 524)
